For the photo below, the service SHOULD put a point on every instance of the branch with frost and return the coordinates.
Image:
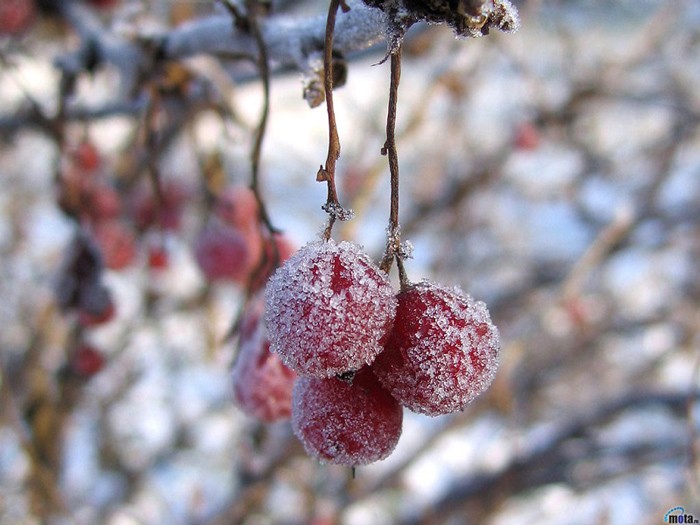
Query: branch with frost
(290, 40)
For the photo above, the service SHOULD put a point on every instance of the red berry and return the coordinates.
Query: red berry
(103, 202)
(117, 243)
(158, 256)
(328, 309)
(238, 207)
(87, 361)
(526, 137)
(16, 16)
(167, 214)
(86, 156)
(95, 305)
(278, 248)
(346, 422)
(222, 253)
(262, 385)
(442, 352)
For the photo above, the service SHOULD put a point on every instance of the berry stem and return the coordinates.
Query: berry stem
(393, 247)
(264, 70)
(327, 173)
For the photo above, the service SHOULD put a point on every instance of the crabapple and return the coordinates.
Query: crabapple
(158, 256)
(16, 16)
(102, 202)
(86, 156)
(346, 422)
(278, 248)
(262, 385)
(237, 206)
(442, 352)
(167, 214)
(222, 253)
(87, 361)
(95, 305)
(117, 243)
(329, 309)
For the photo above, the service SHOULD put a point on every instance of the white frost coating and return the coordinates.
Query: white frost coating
(328, 309)
(443, 350)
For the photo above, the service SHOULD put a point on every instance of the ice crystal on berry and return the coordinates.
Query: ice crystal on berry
(329, 309)
(442, 352)
(346, 422)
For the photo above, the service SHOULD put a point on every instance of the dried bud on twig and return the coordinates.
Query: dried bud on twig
(467, 18)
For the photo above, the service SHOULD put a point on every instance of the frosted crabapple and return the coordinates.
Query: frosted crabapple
(262, 385)
(328, 309)
(353, 422)
(442, 352)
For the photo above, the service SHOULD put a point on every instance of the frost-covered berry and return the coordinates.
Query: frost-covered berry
(346, 422)
(328, 309)
(262, 385)
(442, 352)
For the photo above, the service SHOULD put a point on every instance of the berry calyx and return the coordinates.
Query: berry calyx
(262, 385)
(353, 422)
(328, 309)
(442, 352)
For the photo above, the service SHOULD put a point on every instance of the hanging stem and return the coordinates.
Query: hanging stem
(393, 247)
(264, 69)
(327, 173)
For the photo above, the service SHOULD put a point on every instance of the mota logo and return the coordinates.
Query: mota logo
(678, 515)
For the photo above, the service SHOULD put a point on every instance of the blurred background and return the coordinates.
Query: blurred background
(553, 173)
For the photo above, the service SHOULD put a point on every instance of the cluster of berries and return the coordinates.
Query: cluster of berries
(356, 353)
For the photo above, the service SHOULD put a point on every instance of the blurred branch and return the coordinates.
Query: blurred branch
(542, 463)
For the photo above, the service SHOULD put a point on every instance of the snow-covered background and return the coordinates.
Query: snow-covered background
(553, 174)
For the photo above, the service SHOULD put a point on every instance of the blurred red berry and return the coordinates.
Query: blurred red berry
(95, 306)
(222, 253)
(262, 385)
(158, 256)
(278, 248)
(117, 243)
(147, 212)
(527, 136)
(87, 361)
(86, 156)
(238, 207)
(16, 16)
